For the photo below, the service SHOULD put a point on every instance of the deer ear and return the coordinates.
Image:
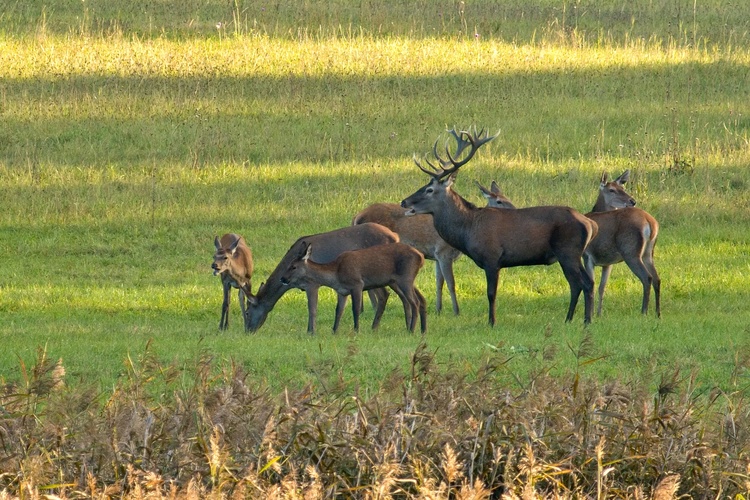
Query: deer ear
(624, 177)
(605, 178)
(308, 253)
(448, 182)
(233, 246)
(217, 243)
(495, 188)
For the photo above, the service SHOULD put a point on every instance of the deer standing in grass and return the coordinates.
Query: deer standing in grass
(495, 239)
(326, 247)
(395, 265)
(419, 232)
(625, 234)
(233, 261)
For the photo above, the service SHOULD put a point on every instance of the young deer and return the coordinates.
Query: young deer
(625, 234)
(394, 265)
(328, 246)
(419, 232)
(495, 239)
(233, 261)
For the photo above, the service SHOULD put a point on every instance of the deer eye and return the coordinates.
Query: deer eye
(429, 190)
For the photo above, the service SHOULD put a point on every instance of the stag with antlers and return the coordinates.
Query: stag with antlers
(495, 239)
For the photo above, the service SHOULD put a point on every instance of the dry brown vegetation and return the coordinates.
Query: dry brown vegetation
(435, 432)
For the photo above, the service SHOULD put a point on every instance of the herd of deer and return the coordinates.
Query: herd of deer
(387, 243)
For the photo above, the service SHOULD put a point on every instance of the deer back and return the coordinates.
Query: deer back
(417, 231)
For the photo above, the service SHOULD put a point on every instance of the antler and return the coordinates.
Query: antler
(464, 139)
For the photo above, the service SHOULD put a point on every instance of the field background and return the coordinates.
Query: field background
(133, 133)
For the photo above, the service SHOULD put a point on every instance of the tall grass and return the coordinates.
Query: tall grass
(131, 135)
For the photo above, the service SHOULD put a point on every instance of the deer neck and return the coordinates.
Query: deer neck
(453, 218)
(600, 205)
(325, 274)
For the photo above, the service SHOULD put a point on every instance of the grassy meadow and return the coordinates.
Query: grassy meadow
(131, 135)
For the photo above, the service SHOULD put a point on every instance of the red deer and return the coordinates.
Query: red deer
(419, 232)
(625, 233)
(233, 261)
(495, 197)
(395, 265)
(326, 247)
(495, 239)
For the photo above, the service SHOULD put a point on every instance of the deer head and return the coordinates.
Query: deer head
(495, 197)
(612, 194)
(223, 256)
(427, 198)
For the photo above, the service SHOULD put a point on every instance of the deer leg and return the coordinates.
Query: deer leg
(422, 310)
(243, 303)
(311, 289)
(446, 267)
(409, 312)
(340, 306)
(606, 271)
(382, 298)
(492, 277)
(439, 281)
(224, 321)
(655, 279)
(579, 281)
(639, 269)
(356, 306)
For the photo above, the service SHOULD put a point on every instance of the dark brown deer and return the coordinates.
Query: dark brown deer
(419, 232)
(233, 261)
(626, 233)
(326, 247)
(394, 265)
(495, 239)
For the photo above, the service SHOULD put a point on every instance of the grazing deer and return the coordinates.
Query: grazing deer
(625, 234)
(233, 261)
(327, 246)
(419, 232)
(394, 265)
(495, 239)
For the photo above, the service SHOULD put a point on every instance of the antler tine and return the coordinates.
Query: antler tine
(436, 172)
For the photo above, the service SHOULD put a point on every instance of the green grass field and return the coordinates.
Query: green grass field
(131, 136)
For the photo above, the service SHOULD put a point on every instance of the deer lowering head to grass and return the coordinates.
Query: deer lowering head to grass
(233, 261)
(394, 265)
(419, 232)
(327, 246)
(495, 239)
(625, 234)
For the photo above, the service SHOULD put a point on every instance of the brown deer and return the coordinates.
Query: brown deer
(495, 239)
(495, 196)
(419, 232)
(394, 265)
(625, 234)
(327, 246)
(233, 261)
